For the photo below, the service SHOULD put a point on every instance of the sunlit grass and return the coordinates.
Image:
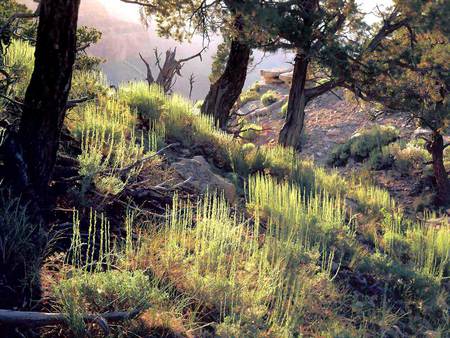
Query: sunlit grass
(19, 62)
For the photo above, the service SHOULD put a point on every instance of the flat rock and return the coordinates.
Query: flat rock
(273, 73)
(287, 77)
(202, 178)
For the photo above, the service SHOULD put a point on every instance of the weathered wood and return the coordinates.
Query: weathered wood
(436, 148)
(39, 319)
(169, 69)
(47, 94)
(290, 134)
(224, 93)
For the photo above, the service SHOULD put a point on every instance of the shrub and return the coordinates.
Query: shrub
(251, 94)
(362, 144)
(250, 131)
(22, 245)
(248, 96)
(269, 98)
(284, 108)
(380, 159)
(146, 100)
(408, 157)
(101, 292)
(19, 62)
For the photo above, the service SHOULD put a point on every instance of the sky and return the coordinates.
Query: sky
(130, 12)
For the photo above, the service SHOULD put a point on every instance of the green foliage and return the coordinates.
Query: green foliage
(250, 131)
(251, 94)
(146, 100)
(109, 144)
(22, 244)
(86, 37)
(220, 61)
(269, 98)
(360, 146)
(284, 108)
(19, 63)
(256, 285)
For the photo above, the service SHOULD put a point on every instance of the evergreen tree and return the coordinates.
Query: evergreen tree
(410, 73)
(181, 19)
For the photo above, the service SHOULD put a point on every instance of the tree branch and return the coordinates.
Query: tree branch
(140, 3)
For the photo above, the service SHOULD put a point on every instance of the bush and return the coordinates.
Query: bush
(19, 62)
(284, 108)
(362, 144)
(409, 156)
(269, 98)
(250, 131)
(22, 245)
(100, 292)
(250, 94)
(380, 159)
(146, 100)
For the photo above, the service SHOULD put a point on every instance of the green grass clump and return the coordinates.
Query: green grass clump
(408, 157)
(109, 143)
(146, 100)
(269, 98)
(19, 62)
(251, 94)
(360, 146)
(259, 283)
(284, 109)
(22, 247)
(250, 131)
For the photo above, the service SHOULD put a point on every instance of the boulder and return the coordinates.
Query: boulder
(273, 76)
(287, 78)
(202, 178)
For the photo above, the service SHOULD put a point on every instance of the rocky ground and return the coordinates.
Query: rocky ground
(331, 119)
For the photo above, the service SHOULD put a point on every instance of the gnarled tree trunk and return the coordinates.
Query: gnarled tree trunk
(436, 149)
(48, 91)
(290, 135)
(224, 93)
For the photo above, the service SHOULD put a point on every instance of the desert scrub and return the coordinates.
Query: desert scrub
(251, 94)
(19, 62)
(360, 146)
(22, 247)
(110, 142)
(284, 109)
(250, 131)
(269, 98)
(257, 283)
(408, 157)
(146, 100)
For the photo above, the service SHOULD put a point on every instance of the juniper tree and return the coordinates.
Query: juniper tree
(410, 73)
(326, 35)
(180, 19)
(47, 94)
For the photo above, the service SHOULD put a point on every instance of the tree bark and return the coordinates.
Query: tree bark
(436, 149)
(48, 91)
(290, 135)
(224, 93)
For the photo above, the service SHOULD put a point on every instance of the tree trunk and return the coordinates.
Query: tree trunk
(48, 91)
(436, 148)
(290, 135)
(224, 93)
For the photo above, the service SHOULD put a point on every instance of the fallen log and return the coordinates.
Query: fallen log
(39, 319)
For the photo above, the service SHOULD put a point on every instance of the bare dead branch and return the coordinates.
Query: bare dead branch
(140, 3)
(191, 84)
(75, 102)
(40, 319)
